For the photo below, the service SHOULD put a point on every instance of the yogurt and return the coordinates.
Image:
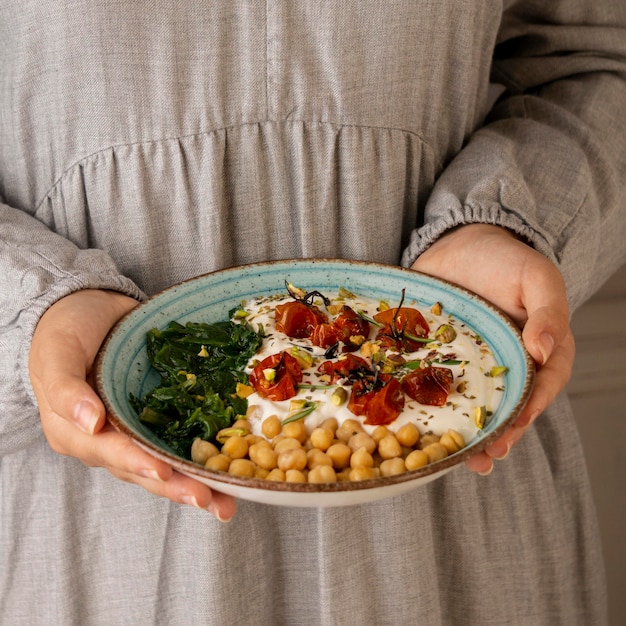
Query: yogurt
(474, 385)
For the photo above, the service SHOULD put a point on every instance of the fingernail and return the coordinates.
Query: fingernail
(151, 474)
(486, 472)
(502, 455)
(216, 513)
(546, 345)
(86, 416)
(190, 500)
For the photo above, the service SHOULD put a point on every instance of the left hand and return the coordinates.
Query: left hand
(492, 262)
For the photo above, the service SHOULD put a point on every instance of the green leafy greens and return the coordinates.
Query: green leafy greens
(200, 365)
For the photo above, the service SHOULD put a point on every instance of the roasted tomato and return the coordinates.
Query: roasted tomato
(360, 395)
(430, 385)
(324, 336)
(345, 367)
(297, 319)
(380, 405)
(397, 324)
(350, 324)
(276, 377)
(385, 404)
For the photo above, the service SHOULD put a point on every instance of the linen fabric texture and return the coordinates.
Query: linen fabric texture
(141, 145)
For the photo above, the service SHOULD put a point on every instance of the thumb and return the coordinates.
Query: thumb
(59, 378)
(545, 301)
(544, 330)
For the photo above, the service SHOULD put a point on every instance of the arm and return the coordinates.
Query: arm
(38, 268)
(550, 161)
(58, 303)
(549, 165)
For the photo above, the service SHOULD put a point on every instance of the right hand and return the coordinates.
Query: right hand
(63, 350)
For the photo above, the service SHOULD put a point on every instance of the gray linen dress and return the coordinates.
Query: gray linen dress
(145, 143)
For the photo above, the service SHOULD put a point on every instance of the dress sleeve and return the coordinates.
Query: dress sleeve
(38, 267)
(550, 161)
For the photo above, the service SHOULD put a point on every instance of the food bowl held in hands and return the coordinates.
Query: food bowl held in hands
(123, 369)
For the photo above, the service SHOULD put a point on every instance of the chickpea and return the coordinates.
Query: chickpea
(262, 442)
(316, 457)
(261, 472)
(344, 474)
(252, 439)
(435, 452)
(242, 424)
(202, 451)
(294, 476)
(294, 458)
(277, 475)
(330, 423)
(254, 412)
(361, 458)
(339, 454)
(242, 467)
(452, 441)
(391, 467)
(321, 438)
(219, 462)
(271, 427)
(295, 430)
(362, 473)
(361, 440)
(408, 435)
(287, 443)
(416, 459)
(348, 428)
(379, 432)
(322, 474)
(264, 456)
(426, 440)
(389, 447)
(236, 447)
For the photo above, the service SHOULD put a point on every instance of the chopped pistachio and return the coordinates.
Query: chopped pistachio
(304, 359)
(445, 333)
(225, 433)
(296, 291)
(357, 340)
(436, 308)
(369, 348)
(498, 370)
(269, 373)
(339, 396)
(342, 292)
(203, 352)
(243, 391)
(297, 405)
(480, 416)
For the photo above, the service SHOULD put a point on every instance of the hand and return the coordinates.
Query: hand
(73, 417)
(493, 263)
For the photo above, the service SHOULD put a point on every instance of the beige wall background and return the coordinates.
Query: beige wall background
(598, 393)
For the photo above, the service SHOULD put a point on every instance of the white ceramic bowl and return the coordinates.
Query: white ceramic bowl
(122, 367)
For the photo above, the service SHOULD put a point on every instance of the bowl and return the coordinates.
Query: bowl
(122, 367)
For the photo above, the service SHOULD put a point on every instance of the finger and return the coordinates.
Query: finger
(550, 380)
(126, 461)
(172, 485)
(547, 312)
(480, 463)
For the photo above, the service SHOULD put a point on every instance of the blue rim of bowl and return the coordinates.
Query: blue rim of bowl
(190, 468)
